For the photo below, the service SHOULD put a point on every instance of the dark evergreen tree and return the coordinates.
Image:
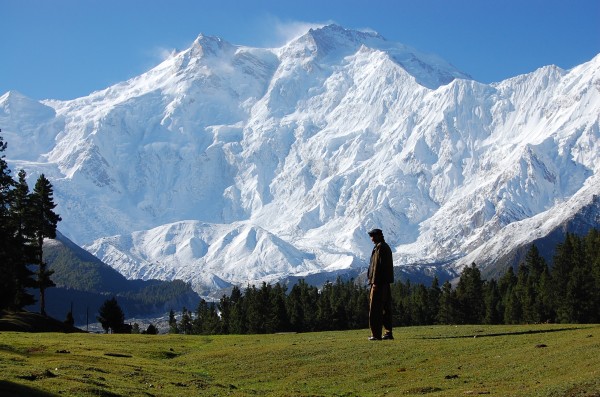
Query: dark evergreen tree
(401, 311)
(296, 309)
(207, 320)
(578, 302)
(8, 281)
(151, 330)
(434, 295)
(225, 307)
(172, 323)
(523, 294)
(256, 306)
(279, 320)
(419, 305)
(448, 312)
(512, 307)
(24, 242)
(324, 308)
(469, 293)
(562, 266)
(186, 322)
(310, 297)
(111, 316)
(135, 329)
(344, 304)
(534, 300)
(237, 324)
(511, 312)
(493, 303)
(357, 306)
(44, 221)
(546, 297)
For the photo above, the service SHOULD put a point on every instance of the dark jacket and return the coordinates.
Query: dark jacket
(381, 268)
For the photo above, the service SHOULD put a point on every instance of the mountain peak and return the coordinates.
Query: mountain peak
(12, 96)
(21, 105)
(209, 45)
(332, 43)
(341, 34)
(331, 40)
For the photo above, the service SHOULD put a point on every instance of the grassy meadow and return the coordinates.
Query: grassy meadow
(531, 360)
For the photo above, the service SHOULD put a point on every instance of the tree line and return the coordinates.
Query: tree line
(26, 218)
(567, 292)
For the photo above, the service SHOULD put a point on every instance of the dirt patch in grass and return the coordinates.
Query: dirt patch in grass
(423, 390)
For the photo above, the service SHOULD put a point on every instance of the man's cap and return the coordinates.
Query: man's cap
(376, 232)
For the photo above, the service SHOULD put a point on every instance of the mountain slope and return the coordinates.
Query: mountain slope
(83, 283)
(227, 164)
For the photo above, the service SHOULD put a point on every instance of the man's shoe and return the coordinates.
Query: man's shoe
(388, 337)
(374, 338)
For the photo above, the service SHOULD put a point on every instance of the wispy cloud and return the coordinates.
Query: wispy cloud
(163, 53)
(283, 31)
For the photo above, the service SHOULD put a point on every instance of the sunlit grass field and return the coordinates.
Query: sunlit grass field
(533, 360)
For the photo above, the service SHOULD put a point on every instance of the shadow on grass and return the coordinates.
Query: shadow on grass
(480, 334)
(15, 390)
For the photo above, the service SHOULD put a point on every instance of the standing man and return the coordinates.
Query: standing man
(381, 275)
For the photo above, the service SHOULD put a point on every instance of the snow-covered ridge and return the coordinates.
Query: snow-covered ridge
(228, 164)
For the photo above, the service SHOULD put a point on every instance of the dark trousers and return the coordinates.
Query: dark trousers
(380, 309)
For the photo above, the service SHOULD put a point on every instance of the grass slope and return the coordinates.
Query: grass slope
(535, 360)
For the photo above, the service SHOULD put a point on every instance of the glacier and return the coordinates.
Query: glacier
(230, 165)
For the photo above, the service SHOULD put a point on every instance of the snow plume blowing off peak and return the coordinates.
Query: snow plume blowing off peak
(229, 164)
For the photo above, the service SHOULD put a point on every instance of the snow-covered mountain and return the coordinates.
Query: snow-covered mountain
(233, 165)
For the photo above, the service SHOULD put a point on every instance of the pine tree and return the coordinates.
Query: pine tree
(419, 305)
(237, 324)
(434, 294)
(279, 320)
(324, 308)
(523, 294)
(546, 297)
(469, 293)
(172, 323)
(185, 324)
(344, 304)
(448, 305)
(255, 308)
(207, 320)
(111, 316)
(511, 312)
(44, 221)
(578, 304)
(135, 328)
(225, 307)
(538, 309)
(296, 309)
(24, 242)
(493, 303)
(563, 264)
(8, 280)
(401, 311)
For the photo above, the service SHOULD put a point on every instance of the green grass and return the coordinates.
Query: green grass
(535, 360)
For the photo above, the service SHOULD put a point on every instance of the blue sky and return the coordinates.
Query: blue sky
(64, 49)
